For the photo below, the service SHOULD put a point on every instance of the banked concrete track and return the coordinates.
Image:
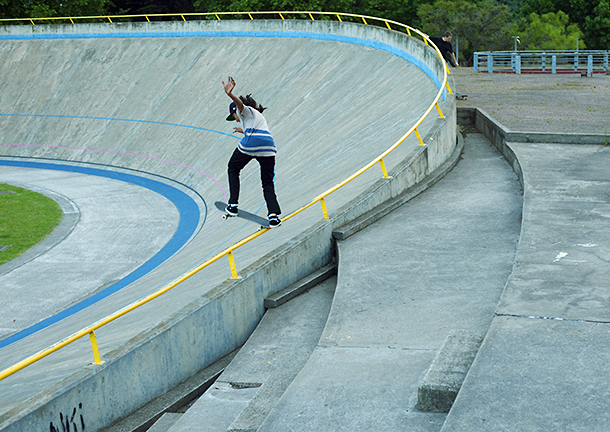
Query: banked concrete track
(143, 104)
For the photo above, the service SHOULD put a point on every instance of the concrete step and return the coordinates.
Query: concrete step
(256, 379)
(165, 422)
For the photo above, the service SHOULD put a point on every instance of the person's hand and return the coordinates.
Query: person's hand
(237, 129)
(229, 85)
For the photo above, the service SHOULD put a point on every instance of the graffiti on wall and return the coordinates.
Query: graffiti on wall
(71, 422)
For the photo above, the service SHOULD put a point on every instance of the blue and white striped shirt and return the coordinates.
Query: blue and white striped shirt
(257, 140)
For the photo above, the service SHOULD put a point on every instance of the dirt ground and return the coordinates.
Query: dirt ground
(539, 103)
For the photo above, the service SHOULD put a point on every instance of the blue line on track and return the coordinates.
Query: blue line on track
(118, 119)
(189, 220)
(262, 34)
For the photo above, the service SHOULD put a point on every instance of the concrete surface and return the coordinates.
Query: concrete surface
(567, 104)
(257, 377)
(546, 344)
(543, 363)
(404, 283)
(443, 381)
(119, 227)
(441, 262)
(147, 98)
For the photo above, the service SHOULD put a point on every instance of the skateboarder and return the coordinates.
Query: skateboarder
(445, 47)
(258, 144)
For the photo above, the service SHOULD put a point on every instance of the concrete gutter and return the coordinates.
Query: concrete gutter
(221, 320)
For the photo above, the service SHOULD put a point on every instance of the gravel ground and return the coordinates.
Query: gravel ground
(539, 103)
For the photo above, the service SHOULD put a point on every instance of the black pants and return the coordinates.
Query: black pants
(267, 164)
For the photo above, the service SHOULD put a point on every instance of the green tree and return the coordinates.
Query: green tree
(594, 20)
(542, 7)
(550, 31)
(478, 25)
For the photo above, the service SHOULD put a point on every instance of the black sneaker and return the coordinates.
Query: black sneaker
(231, 210)
(274, 220)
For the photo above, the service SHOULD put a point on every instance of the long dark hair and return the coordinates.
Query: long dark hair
(247, 100)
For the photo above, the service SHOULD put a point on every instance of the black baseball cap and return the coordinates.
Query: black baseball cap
(232, 109)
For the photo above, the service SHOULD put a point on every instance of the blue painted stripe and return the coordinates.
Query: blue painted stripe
(189, 220)
(292, 35)
(117, 119)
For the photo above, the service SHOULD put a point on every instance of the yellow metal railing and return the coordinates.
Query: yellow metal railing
(90, 330)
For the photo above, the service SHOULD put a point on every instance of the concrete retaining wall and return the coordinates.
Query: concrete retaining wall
(222, 319)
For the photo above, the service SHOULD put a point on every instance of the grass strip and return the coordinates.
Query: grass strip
(26, 218)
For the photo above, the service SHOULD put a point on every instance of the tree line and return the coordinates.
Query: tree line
(478, 25)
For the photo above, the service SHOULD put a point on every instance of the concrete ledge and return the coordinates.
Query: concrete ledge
(469, 116)
(446, 375)
(380, 211)
(299, 287)
(176, 398)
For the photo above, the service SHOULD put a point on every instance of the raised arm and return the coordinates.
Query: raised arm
(229, 86)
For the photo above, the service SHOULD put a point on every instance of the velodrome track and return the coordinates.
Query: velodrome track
(151, 106)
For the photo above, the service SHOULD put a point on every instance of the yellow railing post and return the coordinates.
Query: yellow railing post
(183, 19)
(421, 142)
(234, 274)
(217, 17)
(364, 21)
(324, 209)
(146, 16)
(250, 16)
(388, 25)
(97, 360)
(385, 171)
(109, 19)
(281, 16)
(339, 17)
(438, 108)
(311, 16)
(32, 21)
(449, 88)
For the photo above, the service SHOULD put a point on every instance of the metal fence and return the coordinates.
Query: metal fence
(550, 62)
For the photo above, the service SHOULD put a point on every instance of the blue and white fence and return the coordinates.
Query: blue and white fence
(553, 62)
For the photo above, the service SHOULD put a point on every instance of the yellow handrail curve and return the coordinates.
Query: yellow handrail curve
(90, 330)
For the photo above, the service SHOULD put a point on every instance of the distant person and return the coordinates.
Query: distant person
(258, 144)
(444, 45)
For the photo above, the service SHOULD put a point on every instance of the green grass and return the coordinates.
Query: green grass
(26, 218)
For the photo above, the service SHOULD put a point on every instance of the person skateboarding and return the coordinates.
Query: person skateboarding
(258, 144)
(445, 47)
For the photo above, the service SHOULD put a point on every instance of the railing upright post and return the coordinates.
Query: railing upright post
(590, 65)
(554, 64)
(518, 64)
(606, 61)
(438, 108)
(234, 274)
(97, 360)
(543, 62)
(421, 141)
(490, 64)
(324, 209)
(383, 170)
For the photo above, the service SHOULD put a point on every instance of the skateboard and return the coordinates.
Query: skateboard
(264, 223)
(461, 96)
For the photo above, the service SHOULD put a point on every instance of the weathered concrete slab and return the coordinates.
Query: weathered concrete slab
(561, 268)
(436, 264)
(535, 375)
(265, 366)
(444, 379)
